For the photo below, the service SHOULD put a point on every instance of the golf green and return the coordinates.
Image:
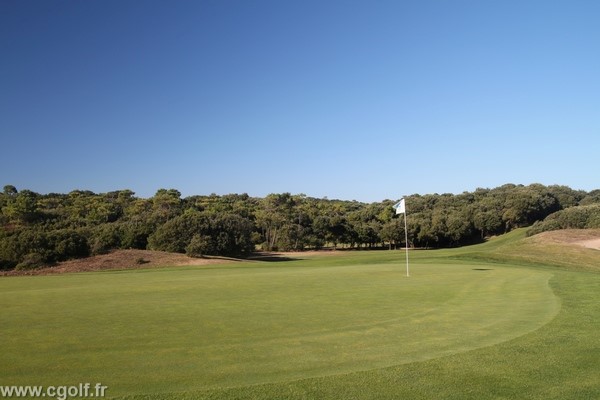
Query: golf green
(196, 328)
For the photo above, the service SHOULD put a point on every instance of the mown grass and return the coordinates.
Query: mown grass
(350, 326)
(557, 361)
(516, 248)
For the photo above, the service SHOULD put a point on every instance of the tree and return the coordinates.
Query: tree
(200, 245)
(67, 244)
(166, 204)
(459, 226)
(10, 190)
(393, 232)
(276, 211)
(106, 237)
(217, 234)
(176, 234)
(22, 206)
(45, 228)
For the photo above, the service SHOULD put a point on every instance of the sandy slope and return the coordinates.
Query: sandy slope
(591, 244)
(122, 259)
(589, 238)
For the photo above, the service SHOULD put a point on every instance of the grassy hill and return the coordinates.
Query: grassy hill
(514, 317)
(548, 249)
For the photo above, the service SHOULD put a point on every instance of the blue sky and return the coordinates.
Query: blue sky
(361, 100)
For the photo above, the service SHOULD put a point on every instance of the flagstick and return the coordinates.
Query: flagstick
(406, 240)
(400, 208)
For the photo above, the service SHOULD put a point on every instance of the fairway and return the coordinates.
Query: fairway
(196, 328)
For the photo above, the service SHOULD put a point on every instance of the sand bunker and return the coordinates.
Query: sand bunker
(590, 244)
(588, 238)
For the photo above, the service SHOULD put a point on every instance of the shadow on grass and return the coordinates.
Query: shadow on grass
(271, 257)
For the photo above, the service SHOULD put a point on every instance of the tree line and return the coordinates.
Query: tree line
(578, 217)
(39, 229)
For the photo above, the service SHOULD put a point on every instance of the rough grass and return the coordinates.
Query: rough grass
(353, 326)
(555, 251)
(119, 260)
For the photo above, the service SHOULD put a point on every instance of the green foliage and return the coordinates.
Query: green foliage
(176, 234)
(218, 234)
(166, 204)
(133, 233)
(592, 197)
(19, 247)
(22, 207)
(393, 232)
(31, 261)
(10, 190)
(233, 224)
(105, 238)
(67, 244)
(580, 217)
(200, 245)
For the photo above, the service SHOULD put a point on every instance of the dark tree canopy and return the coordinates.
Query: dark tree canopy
(37, 229)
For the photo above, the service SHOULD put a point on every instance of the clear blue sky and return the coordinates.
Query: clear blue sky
(361, 100)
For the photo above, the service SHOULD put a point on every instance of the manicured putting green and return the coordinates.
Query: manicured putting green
(175, 330)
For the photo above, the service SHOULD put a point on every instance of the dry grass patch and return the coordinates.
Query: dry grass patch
(123, 259)
(582, 237)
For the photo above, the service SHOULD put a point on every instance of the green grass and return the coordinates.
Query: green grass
(515, 248)
(467, 324)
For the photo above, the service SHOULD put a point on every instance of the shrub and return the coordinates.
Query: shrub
(106, 237)
(31, 261)
(66, 244)
(199, 246)
(202, 234)
(579, 217)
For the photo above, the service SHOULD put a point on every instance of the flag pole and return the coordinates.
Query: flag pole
(400, 208)
(406, 240)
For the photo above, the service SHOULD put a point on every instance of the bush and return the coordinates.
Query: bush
(579, 217)
(9, 255)
(594, 221)
(31, 261)
(199, 246)
(66, 244)
(176, 234)
(134, 234)
(106, 237)
(543, 226)
(203, 234)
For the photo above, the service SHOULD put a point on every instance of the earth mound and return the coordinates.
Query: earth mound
(589, 238)
(122, 259)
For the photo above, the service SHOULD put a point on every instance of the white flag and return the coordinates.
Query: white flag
(400, 208)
